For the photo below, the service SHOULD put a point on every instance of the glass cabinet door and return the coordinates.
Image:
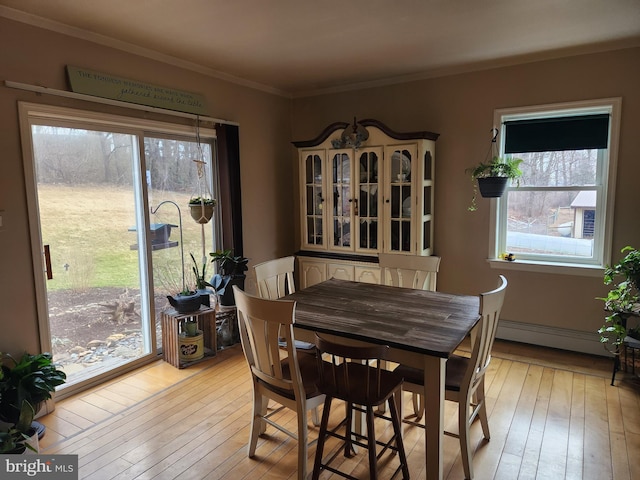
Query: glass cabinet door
(342, 201)
(399, 199)
(368, 196)
(313, 229)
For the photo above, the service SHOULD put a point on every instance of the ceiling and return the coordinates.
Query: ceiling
(303, 47)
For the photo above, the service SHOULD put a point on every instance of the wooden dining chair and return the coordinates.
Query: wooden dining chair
(275, 280)
(290, 382)
(410, 271)
(464, 382)
(275, 277)
(346, 373)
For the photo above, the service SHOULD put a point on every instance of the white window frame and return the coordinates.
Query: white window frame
(605, 198)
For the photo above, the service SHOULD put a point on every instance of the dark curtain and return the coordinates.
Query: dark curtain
(230, 194)
(559, 133)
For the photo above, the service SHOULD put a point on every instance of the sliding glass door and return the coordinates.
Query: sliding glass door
(115, 234)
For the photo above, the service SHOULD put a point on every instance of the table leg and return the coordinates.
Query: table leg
(434, 380)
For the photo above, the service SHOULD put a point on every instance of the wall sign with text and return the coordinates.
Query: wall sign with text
(104, 85)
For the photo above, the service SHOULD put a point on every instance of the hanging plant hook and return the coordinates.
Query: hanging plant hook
(184, 286)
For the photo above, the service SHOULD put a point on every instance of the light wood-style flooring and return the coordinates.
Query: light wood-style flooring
(552, 414)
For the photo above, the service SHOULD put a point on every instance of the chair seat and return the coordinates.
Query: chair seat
(456, 368)
(308, 371)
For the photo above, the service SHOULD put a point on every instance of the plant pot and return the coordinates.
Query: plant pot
(205, 297)
(492, 187)
(227, 299)
(191, 348)
(190, 328)
(185, 303)
(201, 213)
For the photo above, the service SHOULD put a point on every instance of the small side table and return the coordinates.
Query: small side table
(628, 346)
(629, 357)
(206, 318)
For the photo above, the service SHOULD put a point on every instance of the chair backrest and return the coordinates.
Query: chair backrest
(275, 277)
(409, 271)
(346, 371)
(490, 307)
(261, 322)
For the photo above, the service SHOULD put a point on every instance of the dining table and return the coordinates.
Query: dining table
(422, 329)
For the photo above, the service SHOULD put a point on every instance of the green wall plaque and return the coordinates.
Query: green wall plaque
(104, 85)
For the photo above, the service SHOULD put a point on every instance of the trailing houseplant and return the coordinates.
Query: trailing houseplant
(491, 178)
(622, 301)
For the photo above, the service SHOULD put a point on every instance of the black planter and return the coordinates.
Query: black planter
(185, 303)
(205, 298)
(492, 187)
(227, 299)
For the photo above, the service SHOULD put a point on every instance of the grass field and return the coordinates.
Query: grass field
(89, 232)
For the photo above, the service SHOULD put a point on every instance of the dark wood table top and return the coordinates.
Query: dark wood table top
(432, 323)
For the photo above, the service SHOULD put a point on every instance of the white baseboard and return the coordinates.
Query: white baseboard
(573, 340)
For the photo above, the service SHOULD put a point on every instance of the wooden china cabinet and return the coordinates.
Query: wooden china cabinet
(364, 189)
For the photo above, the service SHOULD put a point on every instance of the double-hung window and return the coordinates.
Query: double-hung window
(561, 212)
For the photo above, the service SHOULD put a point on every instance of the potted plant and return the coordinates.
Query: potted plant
(186, 301)
(31, 379)
(201, 208)
(17, 438)
(622, 301)
(230, 270)
(491, 177)
(202, 285)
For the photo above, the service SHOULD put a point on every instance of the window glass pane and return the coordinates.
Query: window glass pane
(426, 235)
(97, 296)
(558, 169)
(558, 222)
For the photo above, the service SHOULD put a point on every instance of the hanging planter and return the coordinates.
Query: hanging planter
(201, 209)
(202, 204)
(491, 177)
(492, 187)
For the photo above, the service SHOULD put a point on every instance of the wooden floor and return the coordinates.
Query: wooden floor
(553, 415)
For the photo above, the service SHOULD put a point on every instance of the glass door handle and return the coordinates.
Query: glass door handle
(47, 262)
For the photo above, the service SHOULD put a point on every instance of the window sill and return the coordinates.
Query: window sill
(548, 267)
